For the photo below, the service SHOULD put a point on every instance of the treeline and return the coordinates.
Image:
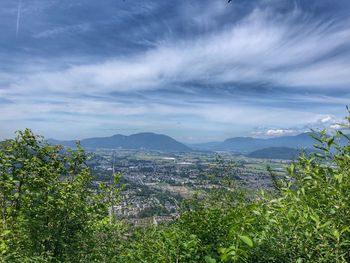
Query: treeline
(50, 213)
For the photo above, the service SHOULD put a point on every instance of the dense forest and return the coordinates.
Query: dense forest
(52, 211)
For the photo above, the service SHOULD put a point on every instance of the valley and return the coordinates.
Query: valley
(155, 183)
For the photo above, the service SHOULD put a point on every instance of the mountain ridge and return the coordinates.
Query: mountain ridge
(144, 140)
(246, 145)
(161, 142)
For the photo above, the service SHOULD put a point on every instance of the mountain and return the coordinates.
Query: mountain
(146, 140)
(283, 153)
(247, 145)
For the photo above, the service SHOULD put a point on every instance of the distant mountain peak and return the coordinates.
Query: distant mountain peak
(144, 140)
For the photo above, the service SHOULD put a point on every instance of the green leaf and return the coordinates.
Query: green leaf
(330, 141)
(336, 233)
(346, 229)
(209, 259)
(325, 224)
(247, 240)
(315, 218)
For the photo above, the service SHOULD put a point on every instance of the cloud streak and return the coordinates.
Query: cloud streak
(18, 17)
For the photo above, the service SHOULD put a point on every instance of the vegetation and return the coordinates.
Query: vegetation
(50, 212)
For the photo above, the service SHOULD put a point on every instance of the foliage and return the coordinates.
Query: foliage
(305, 220)
(48, 209)
(309, 221)
(161, 244)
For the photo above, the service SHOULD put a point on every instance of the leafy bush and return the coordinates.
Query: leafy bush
(306, 220)
(49, 211)
(161, 244)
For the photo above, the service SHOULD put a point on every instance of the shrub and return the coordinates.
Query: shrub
(49, 211)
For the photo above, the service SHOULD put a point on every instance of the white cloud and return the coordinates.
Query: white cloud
(274, 132)
(280, 132)
(336, 127)
(340, 125)
(327, 119)
(317, 122)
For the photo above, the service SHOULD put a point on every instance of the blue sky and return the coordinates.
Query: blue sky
(197, 70)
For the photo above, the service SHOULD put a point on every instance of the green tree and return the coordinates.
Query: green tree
(49, 209)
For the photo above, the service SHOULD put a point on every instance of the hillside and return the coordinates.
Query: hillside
(146, 141)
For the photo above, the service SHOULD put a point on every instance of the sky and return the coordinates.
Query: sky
(196, 70)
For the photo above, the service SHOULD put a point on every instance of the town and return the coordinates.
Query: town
(154, 183)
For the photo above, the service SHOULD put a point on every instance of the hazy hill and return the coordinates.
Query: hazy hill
(283, 153)
(249, 144)
(146, 140)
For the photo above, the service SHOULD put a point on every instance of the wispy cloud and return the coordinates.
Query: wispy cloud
(261, 48)
(229, 67)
